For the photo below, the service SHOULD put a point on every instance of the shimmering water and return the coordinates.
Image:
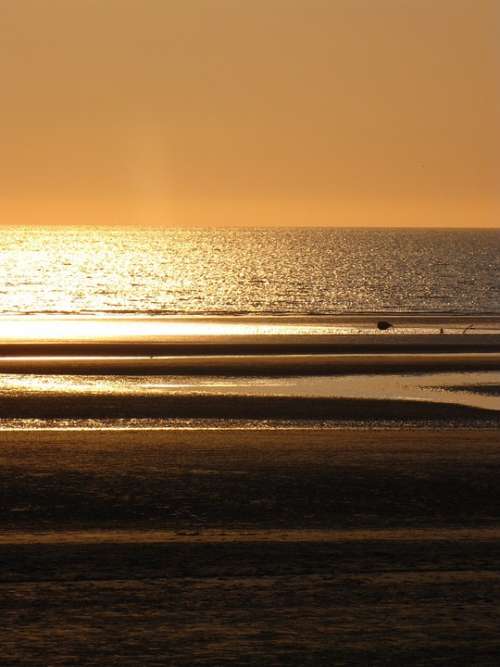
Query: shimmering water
(271, 271)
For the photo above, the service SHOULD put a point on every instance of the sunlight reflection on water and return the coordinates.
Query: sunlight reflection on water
(449, 388)
(221, 271)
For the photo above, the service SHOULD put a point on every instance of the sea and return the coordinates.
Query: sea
(126, 277)
(108, 271)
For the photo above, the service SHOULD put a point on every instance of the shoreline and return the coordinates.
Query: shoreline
(261, 316)
(248, 330)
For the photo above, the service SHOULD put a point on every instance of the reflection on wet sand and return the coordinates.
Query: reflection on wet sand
(428, 395)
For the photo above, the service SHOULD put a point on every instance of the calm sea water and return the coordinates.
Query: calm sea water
(271, 271)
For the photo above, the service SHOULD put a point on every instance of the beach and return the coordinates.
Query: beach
(240, 546)
(249, 491)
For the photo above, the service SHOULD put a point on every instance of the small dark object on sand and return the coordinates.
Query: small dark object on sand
(383, 325)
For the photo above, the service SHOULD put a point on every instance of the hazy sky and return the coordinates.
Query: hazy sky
(341, 112)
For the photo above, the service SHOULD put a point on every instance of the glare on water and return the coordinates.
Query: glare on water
(263, 271)
(78, 328)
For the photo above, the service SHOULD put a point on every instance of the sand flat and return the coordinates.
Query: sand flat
(250, 547)
(254, 345)
(254, 364)
(223, 335)
(242, 536)
(249, 480)
(199, 404)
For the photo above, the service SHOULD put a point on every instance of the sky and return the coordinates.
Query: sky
(250, 112)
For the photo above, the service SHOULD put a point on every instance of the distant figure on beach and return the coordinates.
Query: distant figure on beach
(383, 325)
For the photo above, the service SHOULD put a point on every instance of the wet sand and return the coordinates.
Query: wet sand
(252, 364)
(250, 547)
(241, 335)
(88, 405)
(239, 345)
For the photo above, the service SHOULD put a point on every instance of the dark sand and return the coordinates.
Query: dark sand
(282, 364)
(242, 335)
(95, 405)
(242, 344)
(360, 547)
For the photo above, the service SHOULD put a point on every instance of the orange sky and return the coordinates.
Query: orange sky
(246, 112)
